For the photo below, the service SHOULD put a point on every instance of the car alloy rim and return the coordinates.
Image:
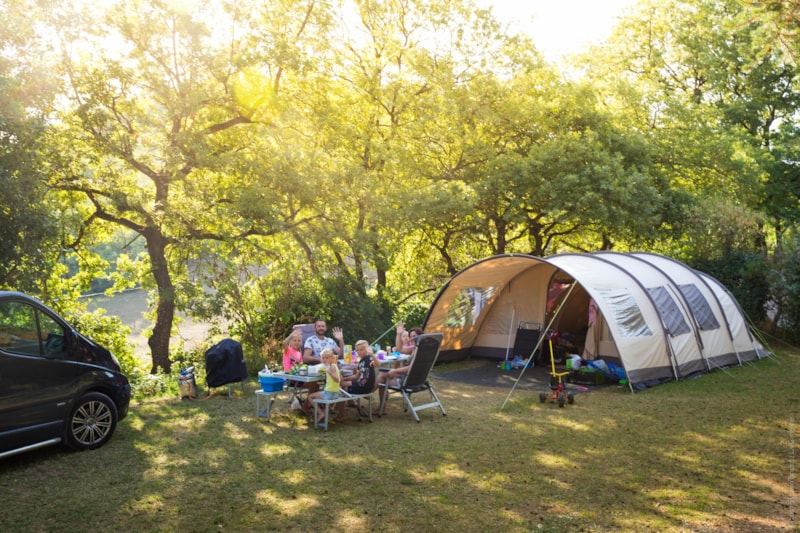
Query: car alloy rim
(91, 423)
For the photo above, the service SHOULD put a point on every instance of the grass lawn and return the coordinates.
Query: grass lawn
(718, 453)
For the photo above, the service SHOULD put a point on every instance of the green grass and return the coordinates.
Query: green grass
(718, 453)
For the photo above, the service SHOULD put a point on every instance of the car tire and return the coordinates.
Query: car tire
(91, 422)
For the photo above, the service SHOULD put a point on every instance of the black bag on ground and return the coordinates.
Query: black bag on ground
(225, 363)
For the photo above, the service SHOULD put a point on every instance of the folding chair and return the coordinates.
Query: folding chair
(416, 379)
(307, 330)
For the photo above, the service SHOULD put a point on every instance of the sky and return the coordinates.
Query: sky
(560, 27)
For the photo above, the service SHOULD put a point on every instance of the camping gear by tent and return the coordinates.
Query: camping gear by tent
(225, 363)
(657, 318)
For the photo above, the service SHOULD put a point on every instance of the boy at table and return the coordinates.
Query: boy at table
(332, 379)
(364, 378)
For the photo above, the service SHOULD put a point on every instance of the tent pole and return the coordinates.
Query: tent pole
(539, 342)
(510, 328)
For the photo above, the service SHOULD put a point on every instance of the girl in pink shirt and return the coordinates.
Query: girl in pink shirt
(291, 350)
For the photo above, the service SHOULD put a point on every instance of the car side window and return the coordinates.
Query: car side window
(55, 340)
(20, 325)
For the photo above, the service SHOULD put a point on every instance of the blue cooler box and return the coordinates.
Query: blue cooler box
(270, 384)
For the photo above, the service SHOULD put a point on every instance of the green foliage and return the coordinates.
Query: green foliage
(155, 385)
(109, 332)
(30, 236)
(261, 312)
(784, 281)
(29, 233)
(412, 314)
(357, 175)
(349, 306)
(745, 275)
(117, 248)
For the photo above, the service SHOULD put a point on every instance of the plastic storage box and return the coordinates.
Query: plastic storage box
(270, 384)
(586, 376)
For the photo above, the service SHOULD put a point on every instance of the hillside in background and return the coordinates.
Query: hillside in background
(130, 307)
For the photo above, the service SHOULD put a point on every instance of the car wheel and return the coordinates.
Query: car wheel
(91, 422)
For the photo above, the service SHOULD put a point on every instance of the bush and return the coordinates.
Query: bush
(352, 309)
(154, 385)
(745, 275)
(109, 332)
(784, 277)
(264, 311)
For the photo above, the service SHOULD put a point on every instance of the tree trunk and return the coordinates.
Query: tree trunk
(165, 305)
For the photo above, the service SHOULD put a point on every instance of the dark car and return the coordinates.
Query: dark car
(56, 386)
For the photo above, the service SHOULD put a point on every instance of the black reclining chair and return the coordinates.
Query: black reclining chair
(416, 379)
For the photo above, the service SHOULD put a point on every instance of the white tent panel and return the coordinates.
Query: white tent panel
(747, 348)
(710, 317)
(632, 320)
(675, 316)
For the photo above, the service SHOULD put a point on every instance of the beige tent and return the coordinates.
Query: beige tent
(657, 318)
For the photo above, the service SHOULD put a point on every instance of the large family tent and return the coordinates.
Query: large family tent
(654, 316)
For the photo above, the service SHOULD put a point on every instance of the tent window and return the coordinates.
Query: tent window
(467, 306)
(626, 313)
(670, 314)
(700, 309)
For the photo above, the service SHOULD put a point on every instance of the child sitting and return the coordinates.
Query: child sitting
(332, 379)
(364, 379)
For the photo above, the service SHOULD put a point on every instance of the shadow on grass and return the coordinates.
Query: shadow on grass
(711, 454)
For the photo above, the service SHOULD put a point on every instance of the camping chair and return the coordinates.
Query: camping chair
(307, 330)
(416, 379)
